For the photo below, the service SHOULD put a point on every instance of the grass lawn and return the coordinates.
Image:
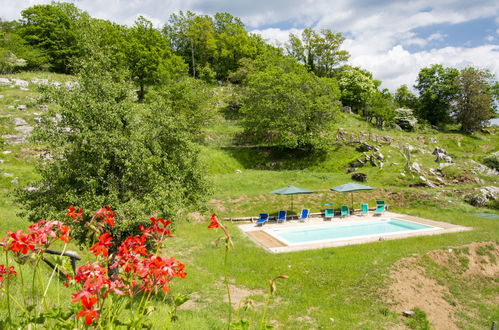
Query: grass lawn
(334, 288)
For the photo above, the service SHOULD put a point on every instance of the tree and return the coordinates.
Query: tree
(107, 149)
(403, 98)
(357, 87)
(437, 89)
(15, 53)
(149, 55)
(192, 37)
(380, 108)
(52, 28)
(319, 52)
(288, 107)
(474, 100)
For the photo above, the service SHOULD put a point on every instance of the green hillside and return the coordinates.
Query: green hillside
(330, 288)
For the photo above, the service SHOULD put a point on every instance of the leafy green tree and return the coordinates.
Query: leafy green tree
(403, 98)
(380, 108)
(192, 37)
(149, 55)
(437, 89)
(474, 100)
(287, 106)
(357, 87)
(15, 53)
(103, 37)
(106, 149)
(53, 28)
(320, 52)
(233, 44)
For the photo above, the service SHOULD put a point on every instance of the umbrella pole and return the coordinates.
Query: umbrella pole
(292, 196)
(351, 194)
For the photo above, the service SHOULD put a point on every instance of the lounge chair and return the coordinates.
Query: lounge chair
(345, 211)
(282, 216)
(264, 217)
(364, 209)
(303, 215)
(380, 208)
(328, 214)
(380, 202)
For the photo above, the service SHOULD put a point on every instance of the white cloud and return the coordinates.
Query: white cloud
(436, 36)
(379, 32)
(276, 36)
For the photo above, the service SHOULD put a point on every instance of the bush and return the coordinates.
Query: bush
(108, 150)
(492, 161)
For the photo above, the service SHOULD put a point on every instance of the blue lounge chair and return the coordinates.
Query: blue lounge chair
(345, 211)
(380, 202)
(380, 208)
(282, 216)
(364, 209)
(328, 214)
(264, 217)
(303, 215)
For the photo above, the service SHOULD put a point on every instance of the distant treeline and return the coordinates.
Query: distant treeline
(303, 82)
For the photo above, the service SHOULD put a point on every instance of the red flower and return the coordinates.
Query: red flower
(89, 314)
(106, 214)
(21, 242)
(105, 241)
(6, 273)
(214, 223)
(74, 214)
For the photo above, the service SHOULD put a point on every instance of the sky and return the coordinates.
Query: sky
(392, 39)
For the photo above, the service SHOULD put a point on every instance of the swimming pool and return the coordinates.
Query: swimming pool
(340, 231)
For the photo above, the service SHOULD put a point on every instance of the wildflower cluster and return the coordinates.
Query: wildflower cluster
(131, 269)
(39, 237)
(6, 272)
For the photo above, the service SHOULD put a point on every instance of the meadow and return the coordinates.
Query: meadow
(335, 288)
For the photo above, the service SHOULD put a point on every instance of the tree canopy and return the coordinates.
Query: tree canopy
(474, 100)
(53, 29)
(106, 149)
(320, 52)
(437, 89)
(287, 106)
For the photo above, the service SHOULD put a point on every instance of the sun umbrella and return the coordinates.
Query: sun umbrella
(291, 190)
(350, 187)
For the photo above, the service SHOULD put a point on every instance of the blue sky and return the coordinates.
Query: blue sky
(392, 39)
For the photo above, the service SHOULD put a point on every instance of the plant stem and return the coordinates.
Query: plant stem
(8, 289)
(226, 280)
(262, 323)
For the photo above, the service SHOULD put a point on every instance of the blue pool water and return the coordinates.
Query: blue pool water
(343, 231)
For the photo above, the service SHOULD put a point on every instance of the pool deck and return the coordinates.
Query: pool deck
(273, 245)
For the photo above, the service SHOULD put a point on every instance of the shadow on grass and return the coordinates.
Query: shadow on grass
(273, 158)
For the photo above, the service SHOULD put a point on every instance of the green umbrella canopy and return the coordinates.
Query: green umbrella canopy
(291, 190)
(350, 187)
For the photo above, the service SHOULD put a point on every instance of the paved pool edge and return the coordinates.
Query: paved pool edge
(273, 245)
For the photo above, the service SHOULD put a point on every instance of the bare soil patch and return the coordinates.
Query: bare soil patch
(411, 287)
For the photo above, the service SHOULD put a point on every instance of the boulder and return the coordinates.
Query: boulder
(405, 119)
(475, 200)
(4, 81)
(20, 82)
(416, 168)
(22, 107)
(357, 163)
(363, 147)
(361, 177)
(19, 122)
(347, 110)
(43, 107)
(443, 157)
(439, 150)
